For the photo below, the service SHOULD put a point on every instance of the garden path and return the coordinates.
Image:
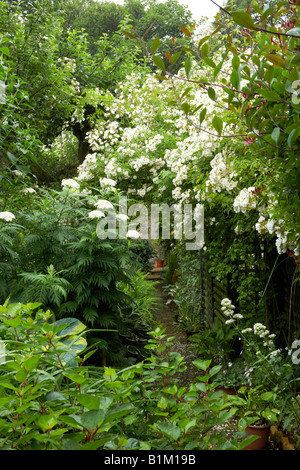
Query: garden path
(166, 315)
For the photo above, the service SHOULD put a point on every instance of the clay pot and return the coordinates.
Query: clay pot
(263, 432)
(159, 263)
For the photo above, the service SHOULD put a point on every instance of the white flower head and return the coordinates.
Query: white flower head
(7, 216)
(96, 214)
(104, 204)
(107, 182)
(70, 183)
(133, 234)
(28, 191)
(122, 217)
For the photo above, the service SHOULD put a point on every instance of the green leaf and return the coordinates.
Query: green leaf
(89, 401)
(159, 62)
(188, 65)
(21, 375)
(4, 50)
(72, 327)
(275, 134)
(47, 422)
(202, 364)
(155, 45)
(117, 411)
(243, 18)
(235, 79)
(31, 363)
(169, 430)
(92, 419)
(202, 115)
(294, 31)
(269, 95)
(209, 62)
(175, 57)
(217, 122)
(204, 50)
(185, 108)
(211, 93)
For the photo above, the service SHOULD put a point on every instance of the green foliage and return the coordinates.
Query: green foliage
(49, 402)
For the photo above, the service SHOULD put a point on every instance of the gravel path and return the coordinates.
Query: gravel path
(166, 315)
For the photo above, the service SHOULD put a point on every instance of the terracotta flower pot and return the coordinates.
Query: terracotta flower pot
(263, 432)
(159, 263)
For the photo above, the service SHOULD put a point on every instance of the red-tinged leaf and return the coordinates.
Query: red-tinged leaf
(185, 31)
(169, 57)
(132, 36)
(276, 60)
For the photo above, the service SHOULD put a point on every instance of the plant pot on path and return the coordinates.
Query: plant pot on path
(263, 432)
(159, 263)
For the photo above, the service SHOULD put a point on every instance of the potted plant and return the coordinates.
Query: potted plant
(256, 412)
(160, 255)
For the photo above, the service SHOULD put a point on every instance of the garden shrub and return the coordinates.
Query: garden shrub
(50, 400)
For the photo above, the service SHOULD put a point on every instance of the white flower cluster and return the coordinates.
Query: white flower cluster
(245, 200)
(107, 183)
(86, 169)
(221, 175)
(28, 191)
(262, 332)
(7, 216)
(276, 227)
(154, 142)
(70, 184)
(228, 309)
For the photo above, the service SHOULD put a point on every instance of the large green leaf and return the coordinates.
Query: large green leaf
(243, 18)
(169, 430)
